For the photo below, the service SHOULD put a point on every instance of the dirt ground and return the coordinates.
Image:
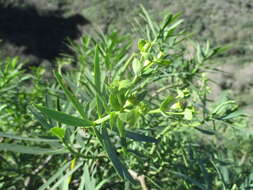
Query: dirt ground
(238, 80)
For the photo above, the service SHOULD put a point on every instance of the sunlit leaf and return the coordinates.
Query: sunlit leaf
(64, 118)
(58, 132)
(30, 149)
(17, 137)
(70, 95)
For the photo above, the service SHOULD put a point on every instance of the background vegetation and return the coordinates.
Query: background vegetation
(216, 157)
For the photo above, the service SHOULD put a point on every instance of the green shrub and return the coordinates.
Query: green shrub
(143, 110)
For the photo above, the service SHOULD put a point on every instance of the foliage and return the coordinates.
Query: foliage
(144, 110)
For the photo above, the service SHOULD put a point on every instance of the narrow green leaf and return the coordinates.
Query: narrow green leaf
(101, 183)
(119, 167)
(219, 50)
(70, 95)
(148, 19)
(173, 26)
(97, 80)
(65, 177)
(136, 153)
(85, 178)
(222, 106)
(234, 114)
(57, 174)
(30, 149)
(193, 181)
(123, 69)
(98, 94)
(11, 136)
(97, 73)
(88, 182)
(39, 117)
(168, 19)
(99, 136)
(140, 137)
(207, 132)
(65, 118)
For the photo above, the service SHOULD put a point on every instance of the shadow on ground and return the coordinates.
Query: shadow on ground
(40, 35)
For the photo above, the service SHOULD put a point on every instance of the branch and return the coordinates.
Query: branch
(140, 178)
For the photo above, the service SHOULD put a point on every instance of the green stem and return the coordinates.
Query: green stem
(102, 120)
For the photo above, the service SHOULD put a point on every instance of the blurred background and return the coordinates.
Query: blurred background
(37, 31)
